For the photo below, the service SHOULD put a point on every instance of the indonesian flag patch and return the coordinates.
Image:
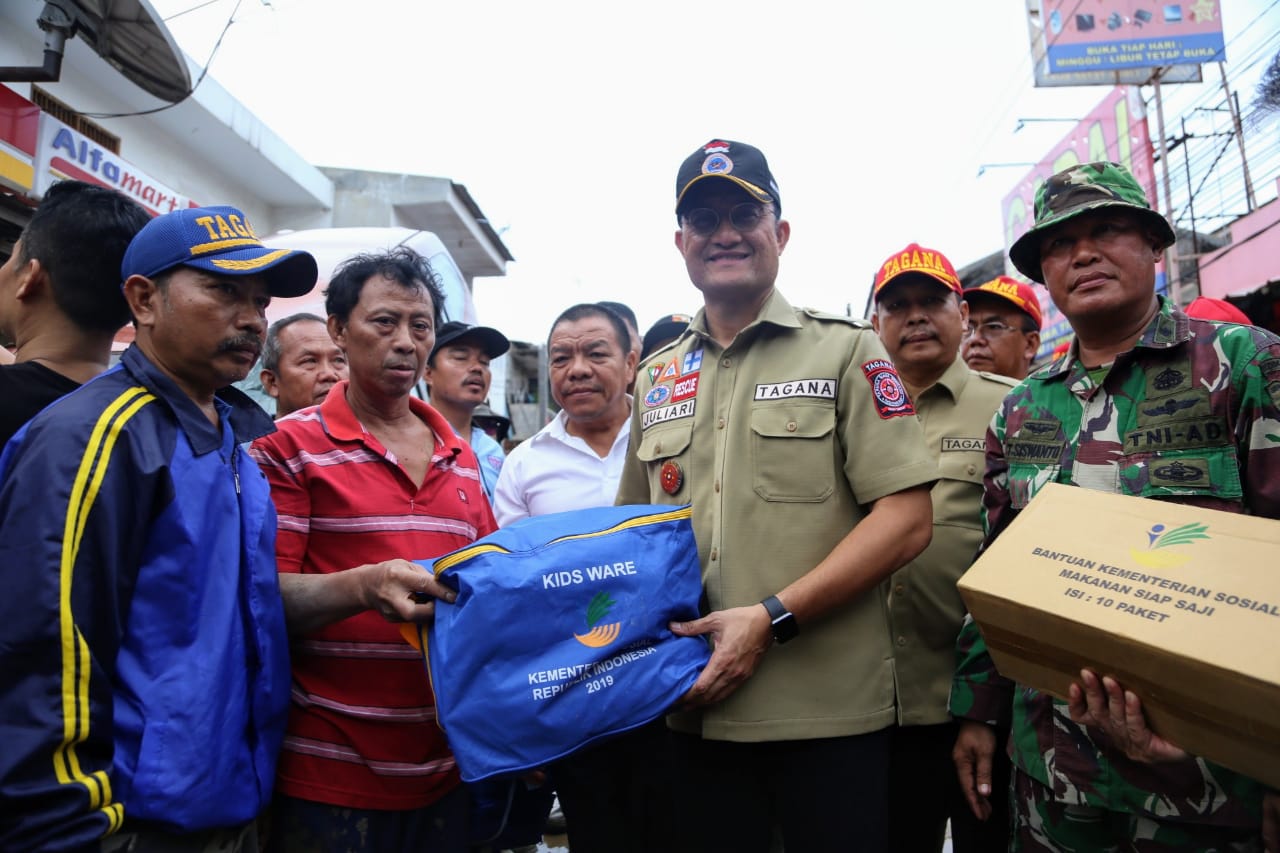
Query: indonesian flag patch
(891, 397)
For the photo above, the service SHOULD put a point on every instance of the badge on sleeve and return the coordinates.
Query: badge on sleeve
(672, 477)
(891, 397)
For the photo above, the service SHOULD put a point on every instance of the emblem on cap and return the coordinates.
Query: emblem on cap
(671, 476)
(717, 164)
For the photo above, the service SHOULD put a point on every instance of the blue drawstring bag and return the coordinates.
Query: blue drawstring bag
(559, 637)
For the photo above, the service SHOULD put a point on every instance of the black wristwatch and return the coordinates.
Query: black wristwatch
(783, 620)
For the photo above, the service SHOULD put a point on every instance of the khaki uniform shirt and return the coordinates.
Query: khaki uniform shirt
(925, 610)
(780, 442)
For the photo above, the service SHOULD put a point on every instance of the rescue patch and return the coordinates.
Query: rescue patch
(668, 413)
(891, 397)
(692, 362)
(657, 395)
(655, 373)
(824, 388)
(685, 387)
(670, 371)
(950, 444)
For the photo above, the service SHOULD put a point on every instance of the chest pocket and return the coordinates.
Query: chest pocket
(1034, 455)
(793, 456)
(1208, 471)
(957, 496)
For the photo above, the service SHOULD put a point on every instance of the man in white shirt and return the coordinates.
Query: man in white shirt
(575, 461)
(613, 794)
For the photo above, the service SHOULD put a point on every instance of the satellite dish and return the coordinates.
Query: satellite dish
(126, 33)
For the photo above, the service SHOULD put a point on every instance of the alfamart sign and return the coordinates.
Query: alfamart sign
(37, 150)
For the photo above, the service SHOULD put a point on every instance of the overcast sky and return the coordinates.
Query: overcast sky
(567, 121)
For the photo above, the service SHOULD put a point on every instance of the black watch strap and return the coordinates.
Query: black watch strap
(782, 620)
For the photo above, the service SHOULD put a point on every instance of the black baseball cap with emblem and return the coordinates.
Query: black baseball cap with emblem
(738, 162)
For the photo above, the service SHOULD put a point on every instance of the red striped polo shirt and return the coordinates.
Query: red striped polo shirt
(362, 727)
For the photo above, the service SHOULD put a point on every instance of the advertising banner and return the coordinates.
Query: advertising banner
(1115, 130)
(1111, 34)
(62, 152)
(1039, 41)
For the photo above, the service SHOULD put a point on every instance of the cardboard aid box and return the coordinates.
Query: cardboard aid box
(1180, 604)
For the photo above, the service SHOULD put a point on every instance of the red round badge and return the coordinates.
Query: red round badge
(672, 477)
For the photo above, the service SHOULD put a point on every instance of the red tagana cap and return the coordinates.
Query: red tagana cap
(917, 259)
(1010, 289)
(1207, 308)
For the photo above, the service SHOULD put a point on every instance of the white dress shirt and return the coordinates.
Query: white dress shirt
(555, 472)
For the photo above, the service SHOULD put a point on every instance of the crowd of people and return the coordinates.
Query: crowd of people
(200, 638)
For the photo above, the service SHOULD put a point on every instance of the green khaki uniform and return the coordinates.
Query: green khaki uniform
(780, 442)
(925, 610)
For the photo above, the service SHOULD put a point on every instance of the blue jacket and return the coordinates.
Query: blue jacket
(143, 653)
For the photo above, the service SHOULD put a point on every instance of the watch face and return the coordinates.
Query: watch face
(785, 627)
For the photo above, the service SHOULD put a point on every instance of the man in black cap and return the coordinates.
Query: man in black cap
(664, 331)
(458, 376)
(792, 436)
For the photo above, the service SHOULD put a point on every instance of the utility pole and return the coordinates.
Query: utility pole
(1171, 272)
(1233, 104)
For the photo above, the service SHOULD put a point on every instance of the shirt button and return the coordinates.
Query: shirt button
(717, 486)
(726, 362)
(657, 448)
(899, 589)
(902, 641)
(972, 469)
(791, 426)
(720, 423)
(715, 553)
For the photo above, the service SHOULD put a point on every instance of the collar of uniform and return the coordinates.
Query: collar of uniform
(1169, 328)
(953, 379)
(247, 419)
(341, 423)
(776, 311)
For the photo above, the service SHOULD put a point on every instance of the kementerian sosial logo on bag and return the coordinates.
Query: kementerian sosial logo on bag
(599, 635)
(1155, 555)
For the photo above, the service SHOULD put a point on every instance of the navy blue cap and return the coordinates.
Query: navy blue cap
(219, 240)
(737, 162)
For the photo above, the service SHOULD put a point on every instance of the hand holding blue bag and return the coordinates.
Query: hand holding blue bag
(558, 637)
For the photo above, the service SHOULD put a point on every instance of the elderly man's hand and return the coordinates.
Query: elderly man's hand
(975, 747)
(401, 591)
(740, 637)
(1118, 713)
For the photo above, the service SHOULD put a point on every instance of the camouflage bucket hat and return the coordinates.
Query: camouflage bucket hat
(1077, 190)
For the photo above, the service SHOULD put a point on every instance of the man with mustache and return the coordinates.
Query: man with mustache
(300, 363)
(921, 317)
(1003, 334)
(1088, 772)
(366, 481)
(458, 377)
(142, 637)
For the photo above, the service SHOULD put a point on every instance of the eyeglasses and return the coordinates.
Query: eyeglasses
(991, 330)
(743, 217)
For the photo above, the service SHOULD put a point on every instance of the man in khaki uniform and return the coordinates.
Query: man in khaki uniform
(1004, 327)
(794, 440)
(921, 317)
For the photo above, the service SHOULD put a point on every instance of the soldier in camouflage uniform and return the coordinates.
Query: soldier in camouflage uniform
(1150, 403)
